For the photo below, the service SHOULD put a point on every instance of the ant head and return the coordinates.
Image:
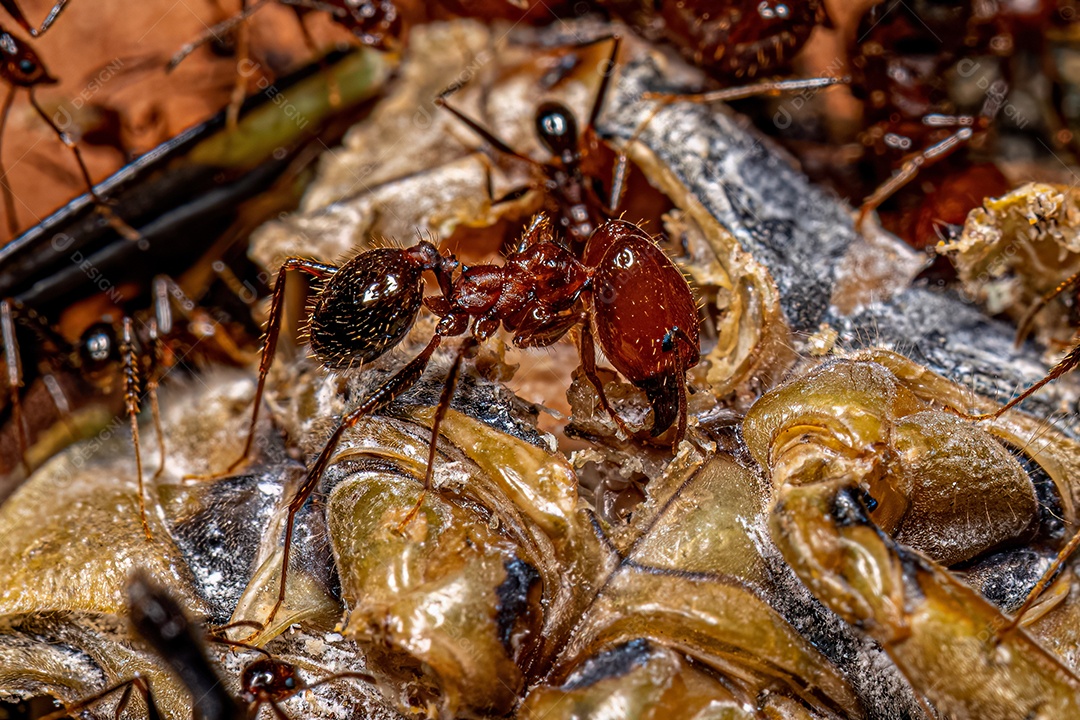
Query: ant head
(269, 680)
(21, 64)
(98, 346)
(557, 129)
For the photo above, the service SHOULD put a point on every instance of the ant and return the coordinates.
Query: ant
(162, 623)
(624, 290)
(21, 68)
(141, 355)
(570, 178)
(569, 196)
(730, 40)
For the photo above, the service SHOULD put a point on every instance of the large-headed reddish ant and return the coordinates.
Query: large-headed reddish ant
(161, 622)
(624, 290)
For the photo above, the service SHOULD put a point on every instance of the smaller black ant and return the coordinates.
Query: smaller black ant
(625, 290)
(140, 354)
(569, 178)
(161, 622)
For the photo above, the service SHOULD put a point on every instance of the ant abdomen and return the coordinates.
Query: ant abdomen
(269, 680)
(645, 316)
(369, 304)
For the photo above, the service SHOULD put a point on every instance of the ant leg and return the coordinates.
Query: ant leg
(772, 87)
(167, 294)
(440, 413)
(587, 350)
(140, 683)
(154, 363)
(1067, 363)
(9, 196)
(114, 220)
(239, 92)
(485, 134)
(12, 8)
(14, 377)
(605, 78)
(131, 399)
(910, 169)
(1024, 326)
(214, 33)
(1044, 581)
(384, 395)
(273, 330)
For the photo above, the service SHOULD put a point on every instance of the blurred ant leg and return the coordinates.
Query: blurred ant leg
(167, 295)
(16, 13)
(14, 377)
(273, 330)
(60, 401)
(214, 33)
(1067, 363)
(9, 196)
(154, 364)
(587, 350)
(771, 87)
(129, 358)
(440, 412)
(605, 78)
(1024, 326)
(11, 312)
(910, 169)
(383, 396)
(1047, 577)
(114, 220)
(243, 59)
(140, 683)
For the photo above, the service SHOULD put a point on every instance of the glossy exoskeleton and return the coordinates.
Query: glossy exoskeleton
(160, 621)
(625, 291)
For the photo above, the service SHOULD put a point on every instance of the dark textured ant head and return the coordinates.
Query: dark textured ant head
(557, 129)
(269, 680)
(21, 65)
(99, 347)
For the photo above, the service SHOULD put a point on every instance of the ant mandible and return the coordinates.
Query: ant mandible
(624, 289)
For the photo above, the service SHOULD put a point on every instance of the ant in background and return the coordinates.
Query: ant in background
(624, 290)
(139, 353)
(21, 68)
(161, 622)
(730, 40)
(570, 179)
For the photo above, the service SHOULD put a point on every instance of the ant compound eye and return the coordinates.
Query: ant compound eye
(27, 67)
(98, 345)
(556, 127)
